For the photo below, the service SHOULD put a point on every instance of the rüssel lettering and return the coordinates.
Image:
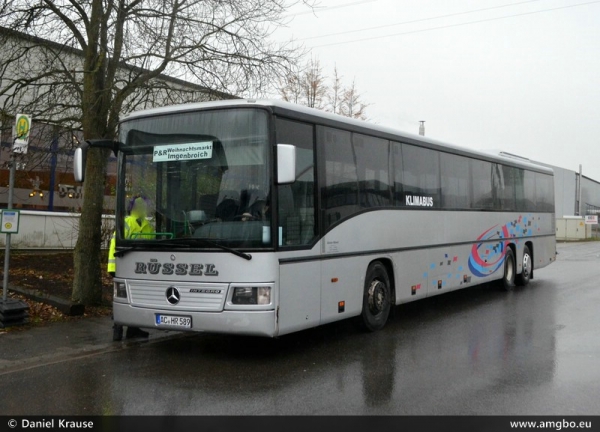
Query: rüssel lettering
(196, 269)
(168, 268)
(153, 267)
(181, 269)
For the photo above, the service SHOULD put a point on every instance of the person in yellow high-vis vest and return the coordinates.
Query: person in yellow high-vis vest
(135, 225)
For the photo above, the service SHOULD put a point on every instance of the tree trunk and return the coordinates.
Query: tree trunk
(95, 103)
(87, 257)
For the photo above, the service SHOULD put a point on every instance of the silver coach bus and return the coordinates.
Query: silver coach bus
(271, 218)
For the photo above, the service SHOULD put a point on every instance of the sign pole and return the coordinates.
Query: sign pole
(13, 311)
(11, 185)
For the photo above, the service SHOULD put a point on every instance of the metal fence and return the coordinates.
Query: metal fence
(53, 230)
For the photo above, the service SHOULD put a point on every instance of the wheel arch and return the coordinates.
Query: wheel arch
(514, 251)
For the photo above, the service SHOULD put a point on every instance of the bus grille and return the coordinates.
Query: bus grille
(192, 296)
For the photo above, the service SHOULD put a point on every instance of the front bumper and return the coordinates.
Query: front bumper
(250, 323)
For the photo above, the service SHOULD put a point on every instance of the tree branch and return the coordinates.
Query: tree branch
(70, 24)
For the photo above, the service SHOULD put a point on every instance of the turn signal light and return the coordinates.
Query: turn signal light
(120, 290)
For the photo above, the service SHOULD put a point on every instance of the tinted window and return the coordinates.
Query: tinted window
(397, 164)
(525, 190)
(528, 203)
(481, 174)
(372, 160)
(297, 214)
(420, 174)
(455, 181)
(339, 194)
(505, 185)
(544, 192)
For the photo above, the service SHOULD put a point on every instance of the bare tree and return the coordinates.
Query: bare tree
(84, 62)
(351, 104)
(335, 94)
(305, 86)
(291, 86)
(308, 86)
(315, 89)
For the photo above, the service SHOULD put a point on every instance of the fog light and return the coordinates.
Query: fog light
(251, 296)
(120, 290)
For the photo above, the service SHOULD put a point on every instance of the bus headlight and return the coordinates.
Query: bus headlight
(251, 296)
(120, 290)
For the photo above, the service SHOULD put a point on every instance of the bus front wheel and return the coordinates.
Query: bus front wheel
(508, 280)
(377, 298)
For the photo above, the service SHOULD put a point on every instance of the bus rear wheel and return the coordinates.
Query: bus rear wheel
(508, 280)
(525, 276)
(377, 298)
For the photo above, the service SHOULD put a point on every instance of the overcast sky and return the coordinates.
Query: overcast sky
(520, 76)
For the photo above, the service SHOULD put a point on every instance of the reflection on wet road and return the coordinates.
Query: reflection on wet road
(478, 351)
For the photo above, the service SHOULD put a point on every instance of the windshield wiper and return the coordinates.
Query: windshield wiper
(120, 252)
(194, 241)
(182, 242)
(142, 245)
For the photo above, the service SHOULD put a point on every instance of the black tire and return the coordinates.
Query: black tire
(508, 279)
(117, 333)
(377, 298)
(525, 276)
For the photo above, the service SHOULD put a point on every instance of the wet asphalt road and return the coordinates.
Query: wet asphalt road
(477, 351)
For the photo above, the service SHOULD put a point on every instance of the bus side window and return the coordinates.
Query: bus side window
(421, 173)
(339, 177)
(372, 160)
(297, 216)
(544, 192)
(396, 150)
(455, 181)
(529, 202)
(506, 190)
(481, 176)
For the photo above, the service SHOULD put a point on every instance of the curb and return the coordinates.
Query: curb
(65, 306)
(48, 359)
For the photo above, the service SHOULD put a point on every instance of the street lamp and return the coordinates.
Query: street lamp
(36, 188)
(36, 192)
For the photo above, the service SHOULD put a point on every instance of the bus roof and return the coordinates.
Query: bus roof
(301, 112)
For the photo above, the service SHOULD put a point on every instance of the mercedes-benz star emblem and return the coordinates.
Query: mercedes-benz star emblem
(173, 295)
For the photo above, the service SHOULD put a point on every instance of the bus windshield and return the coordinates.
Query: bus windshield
(196, 175)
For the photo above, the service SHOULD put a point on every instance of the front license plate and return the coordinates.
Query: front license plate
(174, 321)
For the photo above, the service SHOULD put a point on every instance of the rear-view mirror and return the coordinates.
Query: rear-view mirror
(79, 160)
(286, 163)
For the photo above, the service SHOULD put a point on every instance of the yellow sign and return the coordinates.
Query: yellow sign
(8, 225)
(23, 126)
